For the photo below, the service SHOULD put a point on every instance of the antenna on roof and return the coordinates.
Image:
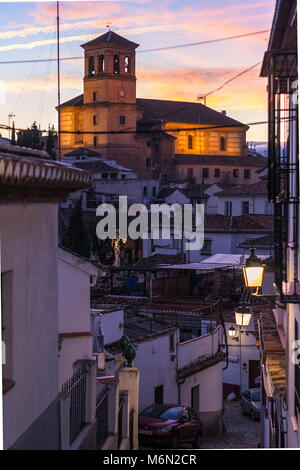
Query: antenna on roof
(201, 97)
(108, 26)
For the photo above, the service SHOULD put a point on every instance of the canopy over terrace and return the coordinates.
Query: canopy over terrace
(218, 261)
(218, 275)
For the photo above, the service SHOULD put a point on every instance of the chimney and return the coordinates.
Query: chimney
(224, 112)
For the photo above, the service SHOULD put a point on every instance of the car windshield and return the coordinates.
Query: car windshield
(162, 411)
(255, 396)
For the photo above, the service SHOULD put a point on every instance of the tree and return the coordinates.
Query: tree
(13, 134)
(50, 145)
(76, 236)
(31, 137)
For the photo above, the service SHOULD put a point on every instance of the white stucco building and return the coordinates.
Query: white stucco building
(31, 186)
(75, 278)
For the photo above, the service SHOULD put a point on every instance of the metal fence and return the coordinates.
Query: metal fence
(76, 388)
(131, 416)
(102, 419)
(120, 421)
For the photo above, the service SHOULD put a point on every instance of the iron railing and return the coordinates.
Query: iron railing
(283, 164)
(120, 421)
(76, 388)
(102, 419)
(131, 429)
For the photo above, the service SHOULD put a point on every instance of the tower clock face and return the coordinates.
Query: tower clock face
(122, 93)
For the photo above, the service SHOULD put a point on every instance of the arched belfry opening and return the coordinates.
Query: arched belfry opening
(127, 64)
(116, 64)
(101, 63)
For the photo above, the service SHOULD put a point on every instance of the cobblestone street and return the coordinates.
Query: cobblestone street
(240, 432)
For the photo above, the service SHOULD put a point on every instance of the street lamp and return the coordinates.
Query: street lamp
(253, 271)
(243, 316)
(232, 333)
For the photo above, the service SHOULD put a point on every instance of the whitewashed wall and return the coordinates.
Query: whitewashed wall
(153, 359)
(239, 353)
(74, 281)
(28, 248)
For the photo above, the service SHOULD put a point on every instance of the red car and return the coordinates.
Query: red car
(170, 425)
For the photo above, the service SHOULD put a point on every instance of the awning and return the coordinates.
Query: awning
(217, 261)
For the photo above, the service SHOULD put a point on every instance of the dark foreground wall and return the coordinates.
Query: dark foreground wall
(44, 433)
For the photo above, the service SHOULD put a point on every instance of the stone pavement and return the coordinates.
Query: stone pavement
(240, 432)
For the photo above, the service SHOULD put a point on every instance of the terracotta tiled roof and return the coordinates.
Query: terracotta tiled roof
(239, 223)
(82, 152)
(77, 101)
(185, 112)
(26, 167)
(259, 188)
(245, 161)
(260, 242)
(158, 259)
(110, 37)
(273, 353)
(201, 364)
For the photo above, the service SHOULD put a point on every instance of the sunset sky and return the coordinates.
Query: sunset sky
(28, 31)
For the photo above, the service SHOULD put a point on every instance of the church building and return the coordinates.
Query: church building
(156, 138)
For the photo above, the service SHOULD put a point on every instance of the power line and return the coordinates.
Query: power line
(232, 79)
(145, 131)
(166, 48)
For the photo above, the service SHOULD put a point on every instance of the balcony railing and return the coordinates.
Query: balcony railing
(102, 419)
(76, 388)
(283, 162)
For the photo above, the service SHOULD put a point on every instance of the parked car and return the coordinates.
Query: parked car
(170, 425)
(251, 403)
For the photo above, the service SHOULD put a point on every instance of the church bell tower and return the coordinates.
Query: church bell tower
(109, 70)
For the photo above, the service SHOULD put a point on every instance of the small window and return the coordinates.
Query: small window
(105, 176)
(113, 176)
(217, 172)
(235, 173)
(205, 173)
(123, 177)
(95, 141)
(148, 162)
(222, 143)
(245, 207)
(95, 96)
(148, 143)
(190, 173)
(91, 66)
(171, 342)
(154, 191)
(190, 141)
(122, 119)
(145, 191)
(228, 208)
(159, 394)
(247, 173)
(127, 64)
(101, 63)
(95, 120)
(156, 147)
(116, 67)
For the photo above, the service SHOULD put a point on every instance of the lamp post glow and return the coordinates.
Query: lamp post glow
(243, 316)
(231, 332)
(253, 271)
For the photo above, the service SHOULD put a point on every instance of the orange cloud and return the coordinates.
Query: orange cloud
(247, 92)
